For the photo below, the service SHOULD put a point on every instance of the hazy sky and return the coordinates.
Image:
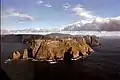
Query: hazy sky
(20, 14)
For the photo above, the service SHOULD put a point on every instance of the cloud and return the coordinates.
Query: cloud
(81, 11)
(48, 5)
(40, 2)
(113, 24)
(13, 13)
(98, 24)
(22, 16)
(66, 6)
(93, 22)
(115, 18)
(45, 4)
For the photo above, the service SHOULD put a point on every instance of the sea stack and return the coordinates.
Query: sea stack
(25, 54)
(16, 55)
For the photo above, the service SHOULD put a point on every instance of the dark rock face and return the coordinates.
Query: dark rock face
(68, 55)
(92, 40)
(30, 53)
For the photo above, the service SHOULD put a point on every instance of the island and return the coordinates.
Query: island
(53, 47)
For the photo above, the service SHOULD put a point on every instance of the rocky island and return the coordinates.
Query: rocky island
(53, 47)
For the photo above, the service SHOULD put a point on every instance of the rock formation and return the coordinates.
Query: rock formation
(52, 49)
(16, 55)
(92, 40)
(25, 54)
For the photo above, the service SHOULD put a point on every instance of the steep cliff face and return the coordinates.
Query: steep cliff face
(51, 49)
(92, 40)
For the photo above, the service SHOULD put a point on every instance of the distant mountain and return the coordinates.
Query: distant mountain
(58, 35)
(33, 30)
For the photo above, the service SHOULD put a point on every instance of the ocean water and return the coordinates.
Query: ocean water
(103, 64)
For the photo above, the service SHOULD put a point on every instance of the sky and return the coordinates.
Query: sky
(23, 14)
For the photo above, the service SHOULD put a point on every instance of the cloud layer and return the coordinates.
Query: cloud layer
(47, 5)
(13, 13)
(39, 2)
(66, 6)
(106, 24)
(81, 11)
(92, 22)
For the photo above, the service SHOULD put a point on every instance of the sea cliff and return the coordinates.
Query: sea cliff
(55, 48)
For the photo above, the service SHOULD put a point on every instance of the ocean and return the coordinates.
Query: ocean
(103, 64)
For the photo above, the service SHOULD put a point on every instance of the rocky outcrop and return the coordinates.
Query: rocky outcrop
(53, 49)
(25, 54)
(92, 40)
(16, 55)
